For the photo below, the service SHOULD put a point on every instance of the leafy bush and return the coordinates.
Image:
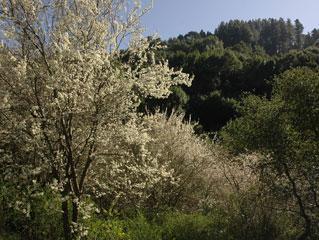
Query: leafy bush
(139, 228)
(194, 226)
(8, 237)
(36, 218)
(284, 129)
(106, 230)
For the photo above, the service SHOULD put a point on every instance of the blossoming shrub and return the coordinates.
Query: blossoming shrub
(176, 145)
(156, 162)
(203, 171)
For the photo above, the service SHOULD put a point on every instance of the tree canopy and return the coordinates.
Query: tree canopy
(240, 57)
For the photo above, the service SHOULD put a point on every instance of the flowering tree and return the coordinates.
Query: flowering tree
(68, 97)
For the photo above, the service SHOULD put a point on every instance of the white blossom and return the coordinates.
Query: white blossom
(71, 99)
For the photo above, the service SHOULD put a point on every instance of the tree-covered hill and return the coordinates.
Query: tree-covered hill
(240, 57)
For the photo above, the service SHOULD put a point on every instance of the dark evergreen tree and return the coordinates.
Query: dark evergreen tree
(299, 36)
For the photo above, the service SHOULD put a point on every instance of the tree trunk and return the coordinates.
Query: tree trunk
(302, 209)
(75, 212)
(66, 222)
(307, 231)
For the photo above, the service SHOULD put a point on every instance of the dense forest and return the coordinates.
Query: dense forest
(205, 136)
(239, 58)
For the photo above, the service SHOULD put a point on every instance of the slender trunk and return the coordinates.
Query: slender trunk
(302, 209)
(307, 229)
(75, 212)
(66, 222)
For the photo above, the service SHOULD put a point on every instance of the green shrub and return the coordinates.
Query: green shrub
(139, 228)
(9, 237)
(106, 230)
(179, 226)
(42, 219)
(248, 216)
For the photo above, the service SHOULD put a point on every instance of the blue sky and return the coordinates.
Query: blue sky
(170, 18)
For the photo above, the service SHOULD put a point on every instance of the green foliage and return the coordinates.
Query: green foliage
(294, 59)
(290, 116)
(38, 219)
(285, 130)
(8, 237)
(311, 39)
(177, 102)
(251, 217)
(239, 217)
(275, 36)
(234, 32)
(99, 229)
(140, 228)
(213, 110)
(181, 226)
(241, 56)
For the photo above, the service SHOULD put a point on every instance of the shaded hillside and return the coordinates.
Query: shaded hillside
(239, 58)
